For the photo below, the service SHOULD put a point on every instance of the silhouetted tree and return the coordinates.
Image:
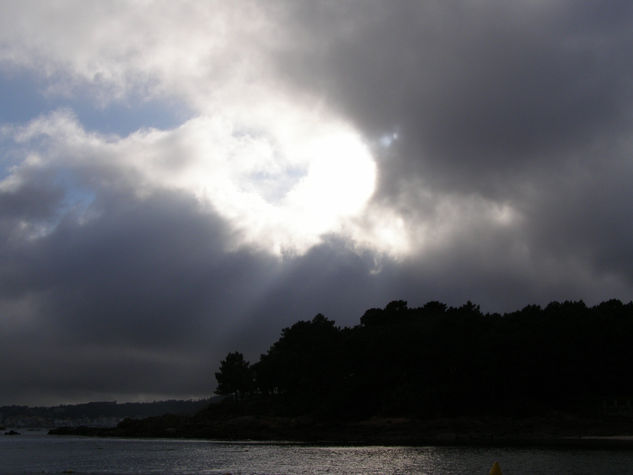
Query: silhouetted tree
(234, 376)
(302, 366)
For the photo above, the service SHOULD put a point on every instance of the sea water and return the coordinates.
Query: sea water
(36, 452)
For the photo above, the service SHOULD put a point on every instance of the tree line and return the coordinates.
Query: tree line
(437, 361)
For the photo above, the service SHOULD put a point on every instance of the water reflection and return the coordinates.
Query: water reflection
(40, 453)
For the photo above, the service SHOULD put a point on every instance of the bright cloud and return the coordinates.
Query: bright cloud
(280, 166)
(282, 169)
(281, 184)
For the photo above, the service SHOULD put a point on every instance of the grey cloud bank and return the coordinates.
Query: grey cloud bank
(509, 179)
(525, 104)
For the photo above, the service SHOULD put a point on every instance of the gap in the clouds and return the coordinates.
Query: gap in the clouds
(77, 199)
(387, 139)
(23, 97)
(273, 181)
(124, 117)
(273, 186)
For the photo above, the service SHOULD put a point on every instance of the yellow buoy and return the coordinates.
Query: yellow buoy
(496, 469)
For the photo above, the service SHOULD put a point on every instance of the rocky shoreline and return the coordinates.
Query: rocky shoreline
(561, 431)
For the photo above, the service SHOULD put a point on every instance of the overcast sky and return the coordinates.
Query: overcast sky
(183, 179)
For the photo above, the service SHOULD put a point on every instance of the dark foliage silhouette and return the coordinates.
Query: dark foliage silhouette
(235, 376)
(440, 361)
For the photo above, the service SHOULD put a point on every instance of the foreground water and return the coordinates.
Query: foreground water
(34, 452)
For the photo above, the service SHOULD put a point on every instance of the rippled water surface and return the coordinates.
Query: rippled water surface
(39, 453)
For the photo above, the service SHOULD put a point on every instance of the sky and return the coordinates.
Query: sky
(183, 179)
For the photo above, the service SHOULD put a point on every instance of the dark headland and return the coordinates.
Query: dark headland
(552, 376)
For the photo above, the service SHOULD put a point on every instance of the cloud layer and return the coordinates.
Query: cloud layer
(327, 157)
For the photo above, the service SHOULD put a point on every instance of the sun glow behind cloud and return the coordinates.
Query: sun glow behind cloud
(283, 180)
(282, 169)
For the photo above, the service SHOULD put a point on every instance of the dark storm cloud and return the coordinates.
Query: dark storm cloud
(525, 104)
(31, 201)
(478, 91)
(133, 296)
(589, 217)
(144, 297)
